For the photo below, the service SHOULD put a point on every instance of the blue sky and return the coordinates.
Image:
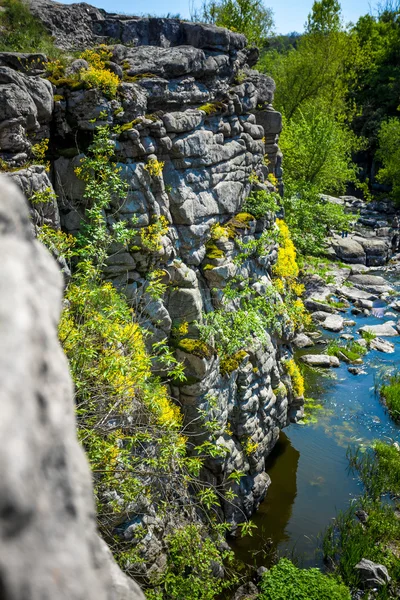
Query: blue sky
(289, 15)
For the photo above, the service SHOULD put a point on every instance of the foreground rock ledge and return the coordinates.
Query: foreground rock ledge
(49, 547)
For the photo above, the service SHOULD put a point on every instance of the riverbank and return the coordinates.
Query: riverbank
(309, 470)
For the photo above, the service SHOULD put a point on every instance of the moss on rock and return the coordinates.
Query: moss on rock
(195, 347)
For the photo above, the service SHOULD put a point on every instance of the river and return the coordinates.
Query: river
(308, 466)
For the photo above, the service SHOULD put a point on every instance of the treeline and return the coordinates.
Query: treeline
(338, 88)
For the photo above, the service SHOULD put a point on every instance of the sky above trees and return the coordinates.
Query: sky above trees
(289, 15)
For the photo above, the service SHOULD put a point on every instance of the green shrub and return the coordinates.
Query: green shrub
(22, 32)
(286, 582)
(348, 540)
(260, 203)
(390, 393)
(189, 571)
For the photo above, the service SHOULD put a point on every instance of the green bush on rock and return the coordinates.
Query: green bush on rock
(287, 582)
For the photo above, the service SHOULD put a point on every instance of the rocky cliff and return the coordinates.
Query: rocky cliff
(194, 132)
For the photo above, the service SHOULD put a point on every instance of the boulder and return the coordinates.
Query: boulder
(320, 360)
(333, 323)
(248, 591)
(382, 345)
(302, 341)
(357, 371)
(354, 294)
(49, 546)
(385, 329)
(370, 283)
(349, 251)
(371, 575)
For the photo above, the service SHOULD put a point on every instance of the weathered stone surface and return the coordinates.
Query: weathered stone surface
(371, 283)
(350, 251)
(333, 323)
(95, 25)
(385, 329)
(371, 575)
(49, 546)
(302, 341)
(320, 360)
(26, 105)
(382, 345)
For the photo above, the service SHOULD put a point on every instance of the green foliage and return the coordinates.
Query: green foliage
(389, 154)
(325, 17)
(196, 347)
(22, 32)
(212, 108)
(261, 203)
(317, 149)
(43, 197)
(320, 69)
(390, 392)
(378, 90)
(249, 17)
(349, 352)
(97, 75)
(311, 219)
(368, 336)
(189, 574)
(287, 582)
(231, 363)
(347, 540)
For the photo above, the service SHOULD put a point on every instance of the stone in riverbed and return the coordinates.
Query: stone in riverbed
(358, 269)
(385, 329)
(333, 323)
(350, 251)
(354, 294)
(382, 345)
(371, 575)
(320, 315)
(320, 360)
(347, 336)
(302, 341)
(370, 283)
(356, 371)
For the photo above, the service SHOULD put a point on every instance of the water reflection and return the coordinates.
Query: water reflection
(274, 513)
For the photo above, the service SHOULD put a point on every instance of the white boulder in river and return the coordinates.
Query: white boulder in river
(333, 323)
(383, 329)
(320, 360)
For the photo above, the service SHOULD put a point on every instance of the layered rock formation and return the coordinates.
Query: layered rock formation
(189, 104)
(49, 547)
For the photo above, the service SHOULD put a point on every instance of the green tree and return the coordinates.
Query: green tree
(249, 17)
(317, 149)
(325, 17)
(389, 154)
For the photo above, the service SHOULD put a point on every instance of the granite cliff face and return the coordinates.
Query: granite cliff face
(189, 99)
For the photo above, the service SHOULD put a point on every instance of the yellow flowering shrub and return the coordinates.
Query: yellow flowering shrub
(151, 235)
(250, 447)
(286, 265)
(102, 79)
(286, 271)
(297, 378)
(39, 152)
(154, 167)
